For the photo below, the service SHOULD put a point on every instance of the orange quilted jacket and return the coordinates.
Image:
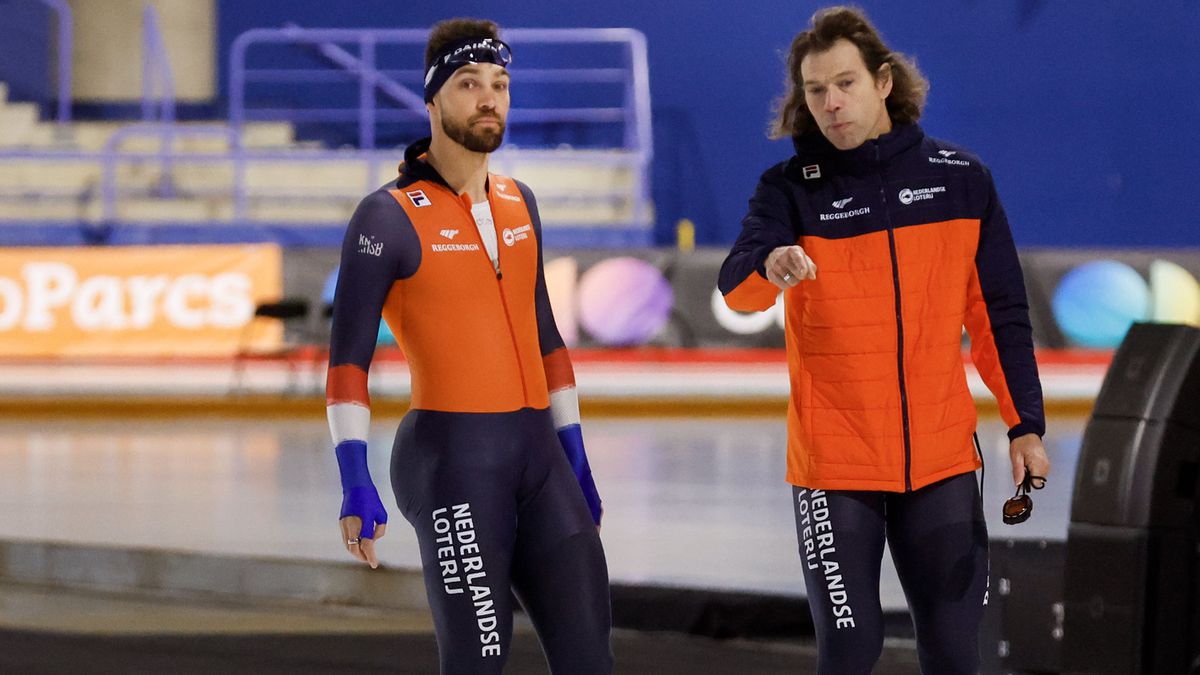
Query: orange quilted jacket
(911, 245)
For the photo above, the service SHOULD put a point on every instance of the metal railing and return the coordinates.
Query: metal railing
(634, 112)
(633, 154)
(168, 155)
(66, 23)
(156, 72)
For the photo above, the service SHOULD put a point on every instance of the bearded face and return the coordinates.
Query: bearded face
(481, 132)
(473, 106)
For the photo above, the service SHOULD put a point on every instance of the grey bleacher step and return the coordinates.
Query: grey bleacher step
(17, 121)
(232, 578)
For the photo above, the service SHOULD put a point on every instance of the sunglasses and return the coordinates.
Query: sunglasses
(486, 51)
(1018, 509)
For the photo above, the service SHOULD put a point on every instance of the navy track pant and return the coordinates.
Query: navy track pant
(938, 541)
(496, 507)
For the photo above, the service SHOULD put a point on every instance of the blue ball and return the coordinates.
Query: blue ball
(1097, 302)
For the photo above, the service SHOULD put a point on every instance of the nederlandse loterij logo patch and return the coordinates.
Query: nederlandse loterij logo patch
(908, 196)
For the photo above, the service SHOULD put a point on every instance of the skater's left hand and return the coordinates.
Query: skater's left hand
(1028, 452)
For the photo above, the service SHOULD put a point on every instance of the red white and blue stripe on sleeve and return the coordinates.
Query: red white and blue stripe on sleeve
(560, 377)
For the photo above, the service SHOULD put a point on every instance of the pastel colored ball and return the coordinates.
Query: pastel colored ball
(624, 301)
(1097, 302)
(1176, 295)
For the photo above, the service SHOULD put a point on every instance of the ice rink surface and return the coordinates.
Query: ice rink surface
(689, 502)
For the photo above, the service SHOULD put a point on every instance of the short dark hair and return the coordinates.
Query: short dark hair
(909, 86)
(450, 31)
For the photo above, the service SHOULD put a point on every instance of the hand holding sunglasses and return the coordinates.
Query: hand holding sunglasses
(1018, 509)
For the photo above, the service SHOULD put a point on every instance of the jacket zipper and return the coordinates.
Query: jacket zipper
(899, 332)
(512, 334)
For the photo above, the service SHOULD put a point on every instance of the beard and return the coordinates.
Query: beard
(475, 140)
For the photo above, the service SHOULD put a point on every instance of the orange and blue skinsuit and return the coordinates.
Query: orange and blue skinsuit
(488, 464)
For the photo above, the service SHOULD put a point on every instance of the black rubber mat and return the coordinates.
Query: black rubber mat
(636, 653)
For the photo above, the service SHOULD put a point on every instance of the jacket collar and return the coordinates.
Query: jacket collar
(814, 148)
(415, 167)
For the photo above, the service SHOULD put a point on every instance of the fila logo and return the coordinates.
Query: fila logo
(449, 234)
(812, 171)
(947, 153)
(841, 203)
(418, 198)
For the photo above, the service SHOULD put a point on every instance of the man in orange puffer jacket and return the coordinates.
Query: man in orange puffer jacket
(886, 243)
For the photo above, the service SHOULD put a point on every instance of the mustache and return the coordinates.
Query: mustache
(487, 116)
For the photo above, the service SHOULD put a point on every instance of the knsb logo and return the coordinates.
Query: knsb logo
(108, 302)
(369, 246)
(513, 236)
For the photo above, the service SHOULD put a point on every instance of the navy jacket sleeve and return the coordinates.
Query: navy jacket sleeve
(766, 226)
(998, 322)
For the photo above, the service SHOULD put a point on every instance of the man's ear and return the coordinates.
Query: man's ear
(883, 79)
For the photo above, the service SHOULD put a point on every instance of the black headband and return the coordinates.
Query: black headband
(461, 53)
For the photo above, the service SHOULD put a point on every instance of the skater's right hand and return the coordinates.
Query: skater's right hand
(363, 518)
(356, 541)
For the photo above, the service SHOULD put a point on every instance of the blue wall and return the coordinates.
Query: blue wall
(1085, 111)
(26, 41)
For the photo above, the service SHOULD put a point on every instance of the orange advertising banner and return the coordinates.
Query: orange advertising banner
(138, 300)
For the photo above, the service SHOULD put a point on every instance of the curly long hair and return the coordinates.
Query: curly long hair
(909, 86)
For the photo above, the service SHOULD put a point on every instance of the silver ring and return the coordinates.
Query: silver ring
(787, 276)
(353, 542)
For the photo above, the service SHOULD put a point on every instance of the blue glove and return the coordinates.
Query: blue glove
(359, 497)
(571, 438)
